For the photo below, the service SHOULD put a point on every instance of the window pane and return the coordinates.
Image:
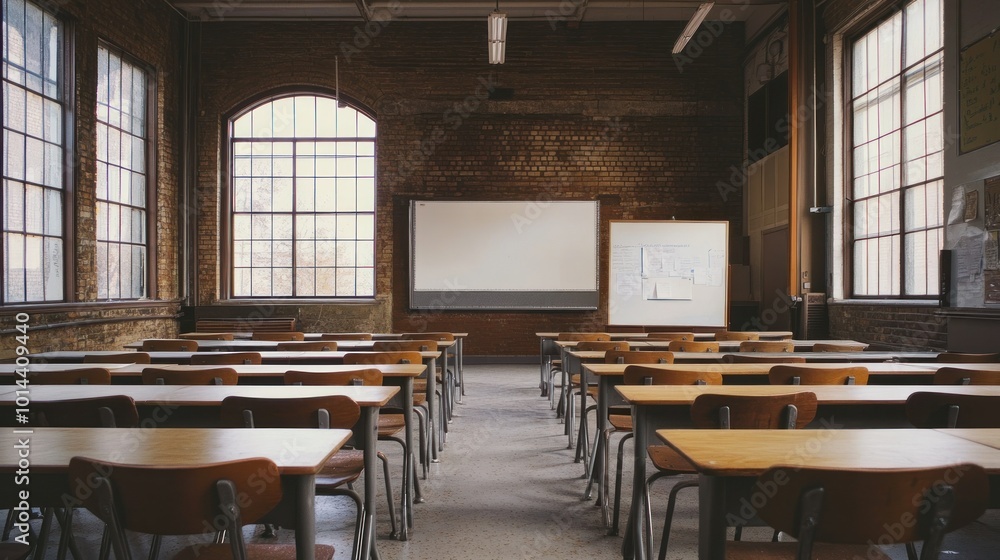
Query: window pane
(303, 199)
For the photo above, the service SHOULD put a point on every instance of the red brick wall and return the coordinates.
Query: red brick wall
(149, 31)
(896, 327)
(599, 112)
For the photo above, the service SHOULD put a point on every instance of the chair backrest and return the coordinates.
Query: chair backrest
(737, 335)
(637, 357)
(927, 409)
(169, 345)
(279, 336)
(82, 376)
(174, 500)
(310, 346)
(685, 336)
(603, 346)
(404, 346)
(328, 412)
(378, 358)
(113, 411)
(749, 358)
(966, 358)
(692, 346)
(759, 412)
(207, 336)
(209, 376)
(119, 358)
(805, 375)
(639, 374)
(961, 376)
(838, 347)
(438, 336)
(225, 358)
(767, 346)
(581, 336)
(345, 336)
(368, 376)
(822, 505)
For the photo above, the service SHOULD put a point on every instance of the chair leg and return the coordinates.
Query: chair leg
(422, 438)
(388, 491)
(671, 504)
(154, 547)
(618, 483)
(588, 493)
(359, 519)
(911, 551)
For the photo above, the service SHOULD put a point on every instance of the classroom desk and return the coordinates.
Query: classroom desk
(52, 449)
(167, 398)
(723, 456)
(314, 358)
(250, 374)
(724, 345)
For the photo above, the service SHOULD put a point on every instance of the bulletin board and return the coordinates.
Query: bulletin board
(669, 273)
(979, 94)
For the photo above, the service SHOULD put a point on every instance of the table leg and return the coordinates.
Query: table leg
(597, 472)
(711, 518)
(368, 439)
(635, 533)
(406, 501)
(305, 522)
(434, 429)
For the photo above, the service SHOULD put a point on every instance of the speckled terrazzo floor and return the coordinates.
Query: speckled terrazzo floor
(507, 488)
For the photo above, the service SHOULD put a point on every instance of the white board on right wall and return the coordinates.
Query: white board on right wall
(669, 273)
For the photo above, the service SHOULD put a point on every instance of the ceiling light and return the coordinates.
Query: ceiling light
(692, 26)
(497, 35)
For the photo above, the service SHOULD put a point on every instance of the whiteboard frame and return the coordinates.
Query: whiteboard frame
(499, 299)
(621, 312)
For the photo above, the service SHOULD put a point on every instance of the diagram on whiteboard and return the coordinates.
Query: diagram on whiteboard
(672, 271)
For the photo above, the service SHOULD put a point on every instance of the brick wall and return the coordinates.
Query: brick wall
(600, 112)
(149, 31)
(896, 327)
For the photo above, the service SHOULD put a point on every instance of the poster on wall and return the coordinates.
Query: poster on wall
(991, 187)
(992, 281)
(979, 105)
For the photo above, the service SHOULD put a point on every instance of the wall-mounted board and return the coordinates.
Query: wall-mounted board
(503, 254)
(670, 273)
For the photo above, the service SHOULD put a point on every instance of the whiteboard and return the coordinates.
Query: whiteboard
(670, 273)
(503, 255)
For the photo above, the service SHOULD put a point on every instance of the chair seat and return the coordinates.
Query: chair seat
(14, 551)
(390, 424)
(744, 550)
(345, 466)
(666, 459)
(254, 552)
(621, 422)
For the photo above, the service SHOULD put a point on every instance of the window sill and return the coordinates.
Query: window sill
(64, 307)
(896, 302)
(300, 302)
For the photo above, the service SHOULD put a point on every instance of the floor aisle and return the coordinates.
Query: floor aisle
(507, 488)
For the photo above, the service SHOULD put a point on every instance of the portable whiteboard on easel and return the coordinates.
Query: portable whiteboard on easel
(669, 273)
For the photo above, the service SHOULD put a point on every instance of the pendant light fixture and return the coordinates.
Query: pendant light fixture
(497, 43)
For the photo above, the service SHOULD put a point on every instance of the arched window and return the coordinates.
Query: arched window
(302, 201)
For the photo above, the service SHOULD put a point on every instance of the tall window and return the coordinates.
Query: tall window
(33, 143)
(898, 145)
(122, 133)
(303, 200)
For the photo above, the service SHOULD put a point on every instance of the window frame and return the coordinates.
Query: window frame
(226, 248)
(151, 143)
(68, 99)
(880, 14)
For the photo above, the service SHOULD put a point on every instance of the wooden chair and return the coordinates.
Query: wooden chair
(583, 438)
(737, 412)
(691, 346)
(225, 358)
(337, 476)
(749, 358)
(737, 335)
(805, 375)
(115, 411)
(365, 376)
(966, 358)
(683, 336)
(206, 336)
(960, 376)
(182, 500)
(345, 336)
(836, 347)
(819, 507)
(119, 358)
(438, 336)
(277, 336)
(211, 376)
(638, 357)
(390, 419)
(404, 346)
(310, 346)
(169, 345)
(767, 346)
(554, 367)
(449, 378)
(926, 409)
(83, 376)
(638, 375)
